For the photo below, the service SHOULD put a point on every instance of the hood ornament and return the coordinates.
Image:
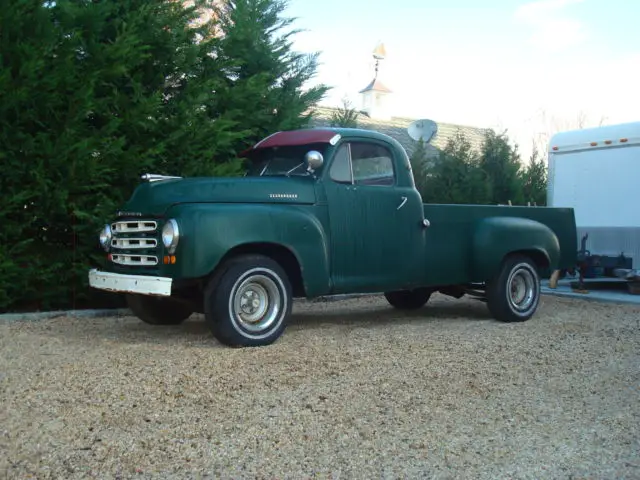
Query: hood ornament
(152, 177)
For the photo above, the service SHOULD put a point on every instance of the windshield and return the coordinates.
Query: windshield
(288, 160)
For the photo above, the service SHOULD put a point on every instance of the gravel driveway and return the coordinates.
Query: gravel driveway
(353, 389)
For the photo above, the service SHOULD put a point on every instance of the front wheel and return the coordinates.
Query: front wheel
(514, 294)
(408, 299)
(158, 310)
(249, 303)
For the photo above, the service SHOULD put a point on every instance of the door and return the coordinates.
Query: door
(375, 223)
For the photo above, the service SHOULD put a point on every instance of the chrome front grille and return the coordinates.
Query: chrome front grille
(142, 260)
(135, 243)
(134, 226)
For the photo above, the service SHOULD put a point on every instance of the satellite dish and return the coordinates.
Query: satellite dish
(423, 129)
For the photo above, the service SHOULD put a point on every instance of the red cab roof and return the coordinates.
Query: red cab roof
(294, 137)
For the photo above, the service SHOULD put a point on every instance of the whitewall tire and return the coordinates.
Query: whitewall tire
(249, 302)
(514, 294)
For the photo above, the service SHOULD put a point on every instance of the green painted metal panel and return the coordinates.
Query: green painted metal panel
(349, 237)
(467, 242)
(211, 230)
(377, 238)
(155, 197)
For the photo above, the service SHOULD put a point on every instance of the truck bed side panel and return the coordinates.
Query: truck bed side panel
(449, 241)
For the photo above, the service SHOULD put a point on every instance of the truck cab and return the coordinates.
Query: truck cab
(319, 212)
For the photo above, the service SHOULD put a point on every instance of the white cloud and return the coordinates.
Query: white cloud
(558, 34)
(538, 10)
(550, 29)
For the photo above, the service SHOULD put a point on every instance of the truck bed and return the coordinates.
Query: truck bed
(450, 234)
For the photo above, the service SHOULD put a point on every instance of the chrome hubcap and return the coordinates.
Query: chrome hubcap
(257, 303)
(253, 302)
(521, 288)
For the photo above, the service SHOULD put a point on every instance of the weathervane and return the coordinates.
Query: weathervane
(379, 53)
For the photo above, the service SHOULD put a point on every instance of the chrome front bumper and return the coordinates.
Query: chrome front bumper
(119, 282)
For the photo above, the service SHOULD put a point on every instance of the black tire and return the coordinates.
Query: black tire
(408, 299)
(248, 278)
(517, 283)
(158, 310)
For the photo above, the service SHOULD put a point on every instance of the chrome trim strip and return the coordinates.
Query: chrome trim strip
(350, 162)
(133, 243)
(134, 226)
(264, 140)
(138, 260)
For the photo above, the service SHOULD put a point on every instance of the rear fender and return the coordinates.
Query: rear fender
(496, 237)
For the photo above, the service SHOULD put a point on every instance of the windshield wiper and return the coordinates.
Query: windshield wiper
(266, 165)
(295, 168)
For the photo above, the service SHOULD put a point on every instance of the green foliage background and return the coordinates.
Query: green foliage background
(493, 175)
(96, 93)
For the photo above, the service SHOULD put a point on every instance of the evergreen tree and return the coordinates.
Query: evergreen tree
(420, 167)
(492, 176)
(94, 94)
(500, 164)
(97, 93)
(455, 176)
(534, 180)
(264, 79)
(345, 116)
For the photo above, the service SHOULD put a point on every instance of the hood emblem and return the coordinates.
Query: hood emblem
(283, 195)
(121, 213)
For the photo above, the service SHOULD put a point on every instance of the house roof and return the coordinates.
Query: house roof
(376, 86)
(396, 127)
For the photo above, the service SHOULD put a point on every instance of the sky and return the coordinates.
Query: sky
(530, 67)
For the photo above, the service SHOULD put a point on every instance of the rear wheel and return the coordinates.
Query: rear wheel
(158, 310)
(408, 299)
(514, 294)
(249, 302)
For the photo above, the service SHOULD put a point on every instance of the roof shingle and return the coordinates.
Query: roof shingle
(396, 127)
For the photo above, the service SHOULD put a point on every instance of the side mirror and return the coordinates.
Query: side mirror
(314, 160)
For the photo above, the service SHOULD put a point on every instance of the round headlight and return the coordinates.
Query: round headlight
(170, 235)
(105, 237)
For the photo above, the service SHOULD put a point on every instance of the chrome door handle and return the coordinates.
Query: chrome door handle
(404, 200)
(426, 223)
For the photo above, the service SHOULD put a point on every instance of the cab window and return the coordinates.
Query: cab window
(341, 166)
(372, 164)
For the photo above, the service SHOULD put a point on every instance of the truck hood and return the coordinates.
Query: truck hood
(155, 197)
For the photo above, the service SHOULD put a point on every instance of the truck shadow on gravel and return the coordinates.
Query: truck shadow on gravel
(194, 331)
(382, 315)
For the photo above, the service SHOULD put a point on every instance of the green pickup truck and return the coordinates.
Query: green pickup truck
(320, 212)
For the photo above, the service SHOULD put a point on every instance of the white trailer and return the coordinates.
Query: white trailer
(596, 171)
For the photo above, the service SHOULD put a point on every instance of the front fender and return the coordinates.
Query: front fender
(209, 231)
(496, 237)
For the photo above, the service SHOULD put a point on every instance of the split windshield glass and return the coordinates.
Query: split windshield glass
(281, 160)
